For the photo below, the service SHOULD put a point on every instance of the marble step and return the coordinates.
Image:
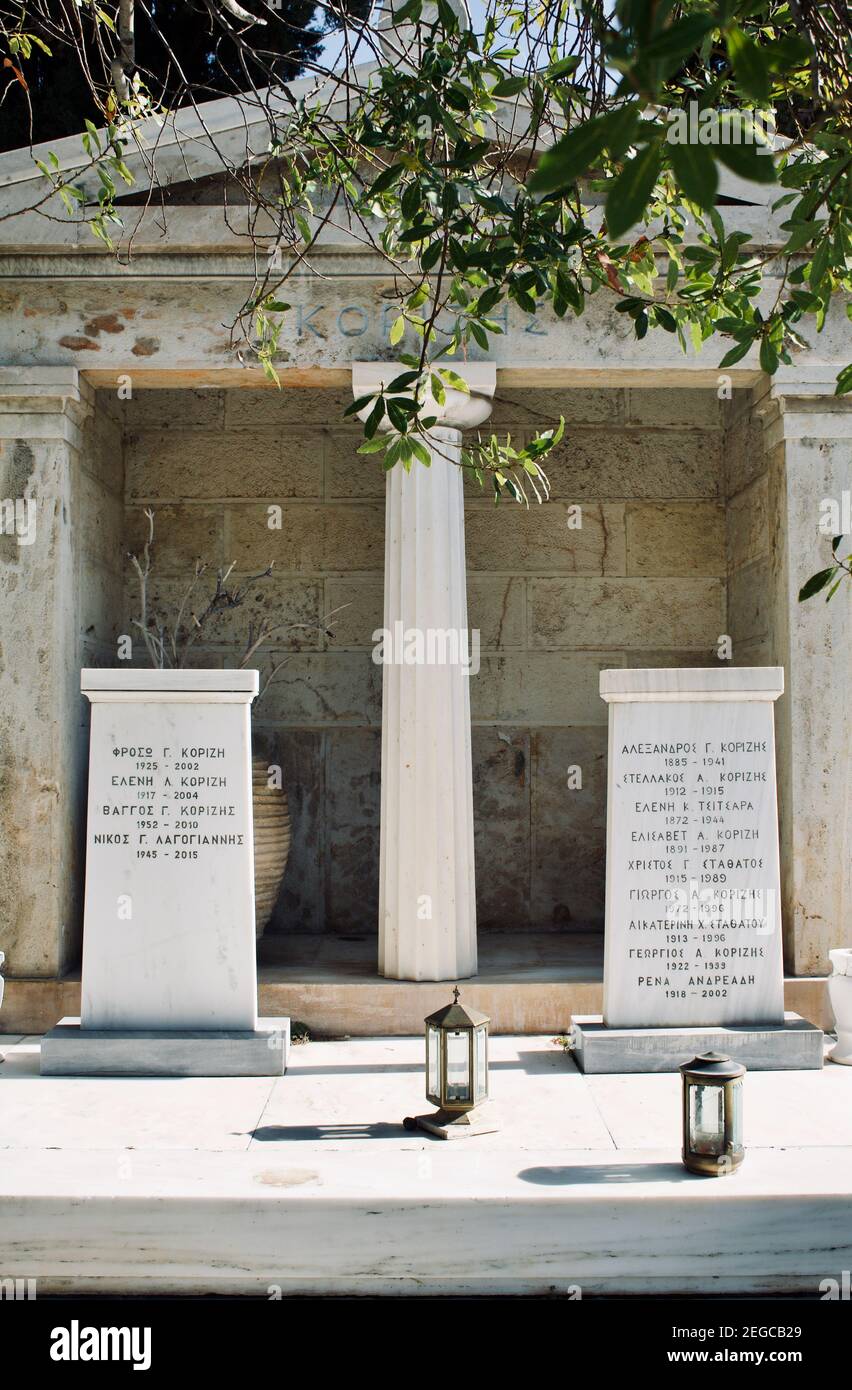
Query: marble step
(421, 1221)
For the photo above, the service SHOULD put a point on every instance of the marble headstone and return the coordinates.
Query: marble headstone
(693, 924)
(693, 907)
(168, 939)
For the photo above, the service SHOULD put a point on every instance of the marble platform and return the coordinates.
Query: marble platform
(70, 1050)
(795, 1045)
(311, 1184)
(528, 982)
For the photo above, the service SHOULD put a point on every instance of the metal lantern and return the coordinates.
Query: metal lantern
(712, 1114)
(456, 1072)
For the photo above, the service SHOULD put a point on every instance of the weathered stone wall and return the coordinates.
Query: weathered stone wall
(641, 582)
(752, 538)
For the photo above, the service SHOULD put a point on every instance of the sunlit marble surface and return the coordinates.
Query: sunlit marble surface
(309, 1182)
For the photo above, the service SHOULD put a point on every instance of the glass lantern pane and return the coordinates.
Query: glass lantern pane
(458, 1066)
(736, 1118)
(432, 1082)
(706, 1119)
(481, 1063)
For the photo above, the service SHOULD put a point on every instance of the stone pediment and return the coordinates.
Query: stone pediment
(183, 162)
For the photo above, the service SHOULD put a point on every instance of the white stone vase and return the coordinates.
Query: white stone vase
(840, 994)
(271, 824)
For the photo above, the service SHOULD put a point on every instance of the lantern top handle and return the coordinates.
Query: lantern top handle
(455, 1015)
(712, 1066)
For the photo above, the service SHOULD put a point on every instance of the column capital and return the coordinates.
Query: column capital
(52, 385)
(800, 402)
(461, 410)
(44, 403)
(802, 382)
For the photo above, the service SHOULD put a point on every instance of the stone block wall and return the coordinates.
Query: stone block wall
(752, 539)
(642, 581)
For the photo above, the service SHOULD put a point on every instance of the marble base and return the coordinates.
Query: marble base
(448, 1124)
(795, 1045)
(69, 1050)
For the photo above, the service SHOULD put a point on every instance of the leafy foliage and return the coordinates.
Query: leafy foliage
(556, 153)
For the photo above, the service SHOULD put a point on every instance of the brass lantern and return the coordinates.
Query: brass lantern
(712, 1114)
(456, 1073)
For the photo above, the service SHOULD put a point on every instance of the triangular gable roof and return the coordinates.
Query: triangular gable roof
(199, 141)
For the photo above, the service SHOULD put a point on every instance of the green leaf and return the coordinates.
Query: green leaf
(621, 127)
(397, 330)
(375, 418)
(570, 157)
(563, 67)
(630, 192)
(397, 417)
(735, 354)
(816, 582)
(400, 382)
(453, 379)
(844, 381)
(801, 233)
(509, 87)
(387, 178)
(768, 357)
(751, 161)
(372, 446)
(751, 67)
(695, 170)
(421, 452)
(819, 264)
(679, 39)
(835, 586)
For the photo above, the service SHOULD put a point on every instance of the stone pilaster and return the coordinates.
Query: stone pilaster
(808, 439)
(427, 892)
(43, 411)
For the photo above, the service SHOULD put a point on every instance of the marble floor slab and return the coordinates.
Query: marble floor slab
(349, 1094)
(309, 1183)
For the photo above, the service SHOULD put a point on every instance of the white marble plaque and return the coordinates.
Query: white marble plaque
(168, 934)
(693, 921)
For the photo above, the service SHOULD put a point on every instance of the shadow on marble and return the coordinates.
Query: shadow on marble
(529, 1062)
(319, 1134)
(594, 1174)
(504, 958)
(342, 1094)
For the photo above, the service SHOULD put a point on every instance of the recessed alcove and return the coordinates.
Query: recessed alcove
(648, 552)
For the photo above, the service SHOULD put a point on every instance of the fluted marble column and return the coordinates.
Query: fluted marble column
(427, 891)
